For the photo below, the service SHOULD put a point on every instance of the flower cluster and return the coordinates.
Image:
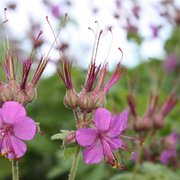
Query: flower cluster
(154, 117)
(24, 91)
(97, 130)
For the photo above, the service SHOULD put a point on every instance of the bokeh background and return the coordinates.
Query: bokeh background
(147, 31)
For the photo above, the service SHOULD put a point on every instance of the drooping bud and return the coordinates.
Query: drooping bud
(71, 99)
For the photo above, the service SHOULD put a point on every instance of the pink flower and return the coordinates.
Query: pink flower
(104, 138)
(15, 127)
(169, 144)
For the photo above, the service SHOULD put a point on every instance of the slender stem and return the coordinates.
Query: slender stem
(136, 168)
(76, 114)
(15, 170)
(74, 165)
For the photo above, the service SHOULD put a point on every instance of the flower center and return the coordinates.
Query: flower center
(7, 128)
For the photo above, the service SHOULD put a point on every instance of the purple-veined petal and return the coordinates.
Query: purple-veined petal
(18, 146)
(24, 128)
(86, 136)
(12, 147)
(118, 124)
(1, 118)
(11, 110)
(102, 119)
(94, 153)
(108, 151)
(114, 143)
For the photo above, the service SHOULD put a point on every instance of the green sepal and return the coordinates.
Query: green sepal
(62, 135)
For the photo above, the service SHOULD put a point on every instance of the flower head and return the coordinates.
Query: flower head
(104, 138)
(15, 127)
(169, 144)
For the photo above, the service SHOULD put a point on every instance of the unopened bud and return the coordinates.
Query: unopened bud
(31, 92)
(158, 121)
(5, 94)
(100, 100)
(71, 99)
(21, 97)
(70, 138)
(13, 87)
(146, 124)
(87, 102)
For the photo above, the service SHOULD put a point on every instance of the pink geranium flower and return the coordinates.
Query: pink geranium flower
(104, 138)
(15, 127)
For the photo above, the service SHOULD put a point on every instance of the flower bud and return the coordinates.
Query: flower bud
(158, 121)
(5, 94)
(71, 99)
(146, 124)
(31, 92)
(99, 99)
(21, 97)
(87, 102)
(13, 87)
(70, 138)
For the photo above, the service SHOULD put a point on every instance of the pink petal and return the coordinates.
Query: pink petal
(19, 147)
(1, 118)
(118, 124)
(24, 128)
(102, 119)
(14, 147)
(11, 110)
(108, 151)
(114, 143)
(86, 137)
(94, 153)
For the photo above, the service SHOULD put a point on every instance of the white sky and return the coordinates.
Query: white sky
(80, 36)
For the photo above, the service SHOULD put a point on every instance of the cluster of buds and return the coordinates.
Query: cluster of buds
(97, 129)
(92, 95)
(153, 118)
(24, 91)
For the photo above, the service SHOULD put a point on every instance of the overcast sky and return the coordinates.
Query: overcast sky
(79, 36)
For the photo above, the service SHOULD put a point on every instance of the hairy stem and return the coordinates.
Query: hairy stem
(15, 170)
(74, 165)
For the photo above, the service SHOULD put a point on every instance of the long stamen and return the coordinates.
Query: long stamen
(27, 65)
